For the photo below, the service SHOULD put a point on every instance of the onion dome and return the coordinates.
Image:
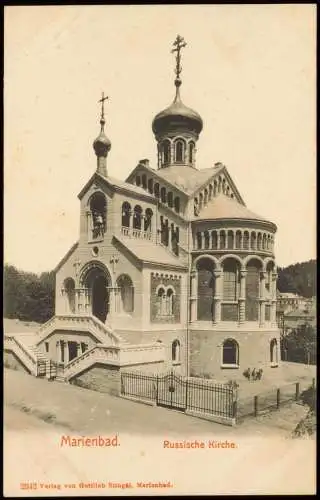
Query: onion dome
(177, 117)
(102, 143)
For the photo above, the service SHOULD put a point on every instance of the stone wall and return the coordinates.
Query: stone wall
(101, 378)
(254, 351)
(10, 360)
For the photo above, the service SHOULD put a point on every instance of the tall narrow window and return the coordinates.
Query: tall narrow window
(126, 214)
(191, 152)
(125, 285)
(166, 152)
(179, 149)
(230, 354)
(175, 351)
(98, 208)
(137, 216)
(148, 220)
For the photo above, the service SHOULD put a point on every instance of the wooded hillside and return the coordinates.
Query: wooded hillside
(300, 278)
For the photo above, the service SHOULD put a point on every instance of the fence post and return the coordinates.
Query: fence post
(297, 390)
(157, 389)
(255, 405)
(278, 398)
(186, 393)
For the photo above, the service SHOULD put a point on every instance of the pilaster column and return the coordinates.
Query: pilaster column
(262, 298)
(218, 240)
(78, 349)
(66, 352)
(202, 240)
(273, 311)
(218, 296)
(193, 295)
(242, 296)
(81, 308)
(58, 351)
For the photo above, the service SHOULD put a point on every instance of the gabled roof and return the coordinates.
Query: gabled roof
(148, 252)
(117, 185)
(66, 257)
(186, 178)
(223, 207)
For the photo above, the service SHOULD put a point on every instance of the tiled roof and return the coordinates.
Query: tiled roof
(223, 207)
(147, 251)
(187, 179)
(126, 185)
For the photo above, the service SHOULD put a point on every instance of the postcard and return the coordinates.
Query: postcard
(159, 250)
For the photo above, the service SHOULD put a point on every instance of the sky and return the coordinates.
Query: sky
(249, 70)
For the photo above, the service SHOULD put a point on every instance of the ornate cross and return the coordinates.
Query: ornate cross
(103, 98)
(179, 43)
(113, 261)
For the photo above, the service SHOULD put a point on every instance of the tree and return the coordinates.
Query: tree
(28, 297)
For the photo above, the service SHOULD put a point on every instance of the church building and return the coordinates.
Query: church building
(171, 270)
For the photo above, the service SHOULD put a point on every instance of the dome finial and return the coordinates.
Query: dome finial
(178, 44)
(102, 120)
(102, 144)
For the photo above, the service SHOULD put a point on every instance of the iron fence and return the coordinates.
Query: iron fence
(172, 390)
(266, 401)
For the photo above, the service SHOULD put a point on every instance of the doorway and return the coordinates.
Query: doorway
(72, 350)
(100, 298)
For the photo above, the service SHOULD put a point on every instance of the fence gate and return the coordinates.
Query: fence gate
(171, 391)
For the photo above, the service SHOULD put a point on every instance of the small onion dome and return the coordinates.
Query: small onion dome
(177, 116)
(102, 144)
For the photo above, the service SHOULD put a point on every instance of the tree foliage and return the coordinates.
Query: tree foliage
(27, 296)
(298, 278)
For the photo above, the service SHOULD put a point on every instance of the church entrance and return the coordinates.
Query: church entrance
(100, 298)
(96, 279)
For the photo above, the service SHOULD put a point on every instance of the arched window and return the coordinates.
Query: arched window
(199, 241)
(175, 239)
(157, 190)
(231, 280)
(274, 352)
(137, 217)
(214, 240)
(224, 186)
(126, 214)
(125, 285)
(206, 195)
(259, 241)
(144, 181)
(253, 241)
(170, 199)
(98, 208)
(238, 239)
(246, 240)
(138, 180)
(191, 152)
(150, 186)
(166, 152)
(175, 351)
(264, 242)
(222, 239)
(177, 204)
(169, 302)
(206, 239)
(163, 195)
(179, 151)
(205, 290)
(230, 352)
(215, 188)
(164, 231)
(148, 220)
(219, 184)
(210, 191)
(161, 302)
(69, 287)
(200, 201)
(230, 239)
(252, 290)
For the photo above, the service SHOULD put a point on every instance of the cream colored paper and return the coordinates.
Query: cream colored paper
(250, 72)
